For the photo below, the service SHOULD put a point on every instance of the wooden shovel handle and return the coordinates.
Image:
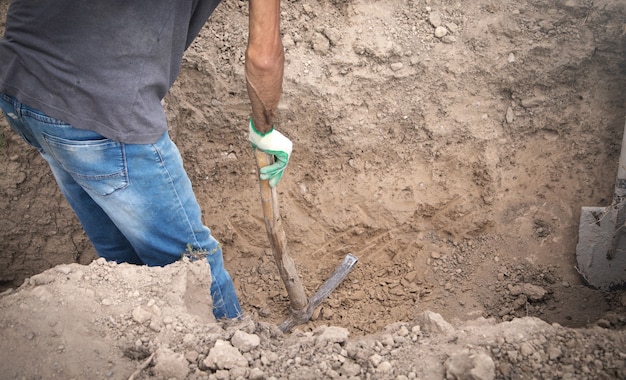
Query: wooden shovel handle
(620, 182)
(278, 242)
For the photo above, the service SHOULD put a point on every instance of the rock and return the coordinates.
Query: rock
(106, 302)
(554, 352)
(224, 356)
(288, 41)
(170, 365)
(533, 102)
(604, 323)
(191, 356)
(396, 66)
(510, 115)
(140, 315)
(332, 334)
(321, 44)
(452, 27)
(470, 365)
(189, 340)
(526, 349)
(375, 360)
(511, 58)
(268, 358)
(387, 340)
(349, 369)
(435, 19)
(244, 341)
(379, 48)
(433, 322)
(256, 374)
(384, 367)
(441, 31)
(403, 331)
(533, 292)
(222, 374)
(238, 373)
(333, 35)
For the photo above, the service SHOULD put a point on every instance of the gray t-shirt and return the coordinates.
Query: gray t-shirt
(99, 65)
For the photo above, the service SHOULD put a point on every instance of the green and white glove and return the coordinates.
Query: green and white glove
(276, 144)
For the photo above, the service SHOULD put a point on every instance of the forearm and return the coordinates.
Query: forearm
(264, 62)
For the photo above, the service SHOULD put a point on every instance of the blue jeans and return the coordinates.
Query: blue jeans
(134, 201)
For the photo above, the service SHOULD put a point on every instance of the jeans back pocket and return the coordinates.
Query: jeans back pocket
(97, 165)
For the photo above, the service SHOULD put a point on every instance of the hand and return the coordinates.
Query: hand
(276, 144)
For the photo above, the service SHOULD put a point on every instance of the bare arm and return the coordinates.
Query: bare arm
(265, 62)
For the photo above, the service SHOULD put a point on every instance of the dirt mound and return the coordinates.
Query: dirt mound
(118, 321)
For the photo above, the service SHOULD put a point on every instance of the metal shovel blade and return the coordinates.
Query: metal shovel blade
(303, 316)
(601, 248)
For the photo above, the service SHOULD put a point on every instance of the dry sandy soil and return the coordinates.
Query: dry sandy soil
(449, 145)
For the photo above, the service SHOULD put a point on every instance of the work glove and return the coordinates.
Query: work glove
(276, 144)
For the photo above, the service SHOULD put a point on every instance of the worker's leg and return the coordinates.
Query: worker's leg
(160, 215)
(142, 188)
(106, 238)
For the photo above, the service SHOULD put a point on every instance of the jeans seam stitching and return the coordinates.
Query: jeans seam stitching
(178, 200)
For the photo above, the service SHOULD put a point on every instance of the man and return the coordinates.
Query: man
(82, 82)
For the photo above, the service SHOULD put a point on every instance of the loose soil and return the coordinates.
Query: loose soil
(448, 145)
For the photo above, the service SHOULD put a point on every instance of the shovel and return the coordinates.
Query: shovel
(301, 308)
(601, 248)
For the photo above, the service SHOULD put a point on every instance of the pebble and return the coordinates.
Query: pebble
(140, 315)
(510, 115)
(511, 58)
(384, 367)
(533, 292)
(435, 19)
(604, 323)
(106, 302)
(256, 374)
(375, 359)
(533, 102)
(349, 369)
(321, 44)
(452, 27)
(396, 66)
(441, 31)
(526, 349)
(554, 352)
(191, 356)
(387, 340)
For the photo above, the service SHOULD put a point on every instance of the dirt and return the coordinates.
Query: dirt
(453, 166)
